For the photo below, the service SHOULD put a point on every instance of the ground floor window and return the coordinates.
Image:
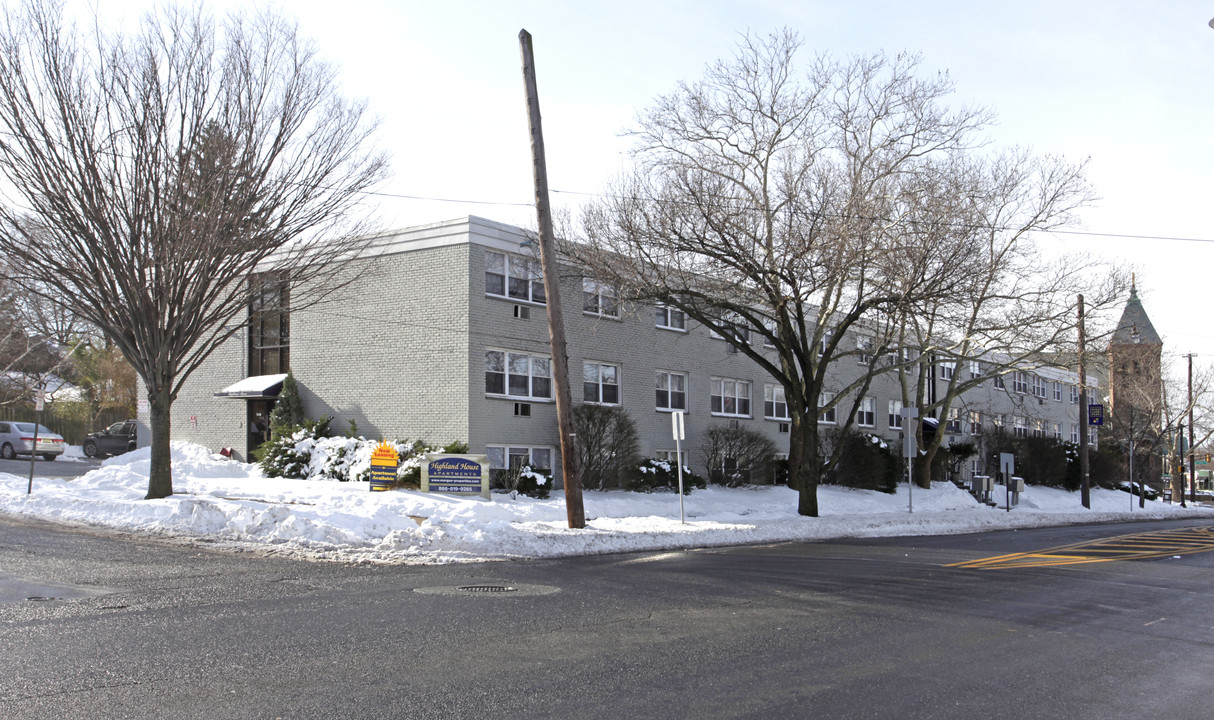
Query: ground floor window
(503, 458)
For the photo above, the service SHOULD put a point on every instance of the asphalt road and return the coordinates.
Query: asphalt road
(58, 468)
(863, 629)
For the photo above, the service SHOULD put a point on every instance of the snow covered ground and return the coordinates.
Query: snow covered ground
(230, 504)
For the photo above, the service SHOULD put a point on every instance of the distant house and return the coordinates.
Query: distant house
(445, 338)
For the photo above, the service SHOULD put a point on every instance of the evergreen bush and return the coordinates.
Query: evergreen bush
(653, 474)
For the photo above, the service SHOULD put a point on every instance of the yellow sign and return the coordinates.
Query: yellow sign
(383, 466)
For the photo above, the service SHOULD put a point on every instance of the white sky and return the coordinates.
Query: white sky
(1128, 84)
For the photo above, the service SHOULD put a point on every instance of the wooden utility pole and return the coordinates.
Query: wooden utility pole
(1084, 483)
(556, 325)
(1192, 464)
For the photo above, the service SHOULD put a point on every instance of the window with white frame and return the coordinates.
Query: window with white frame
(947, 370)
(513, 277)
(669, 318)
(1020, 426)
(733, 325)
(671, 390)
(866, 413)
(1020, 382)
(998, 379)
(830, 414)
(952, 424)
(1039, 386)
(975, 422)
(1075, 396)
(774, 405)
(518, 375)
(910, 355)
(599, 299)
(671, 456)
(999, 420)
(1075, 433)
(826, 336)
(730, 397)
(601, 383)
(1038, 428)
(1092, 438)
(1058, 431)
(770, 326)
(975, 369)
(895, 414)
(1057, 391)
(505, 457)
(864, 346)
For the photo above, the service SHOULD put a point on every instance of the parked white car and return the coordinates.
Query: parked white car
(17, 438)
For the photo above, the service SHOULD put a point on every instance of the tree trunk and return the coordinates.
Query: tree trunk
(803, 466)
(160, 474)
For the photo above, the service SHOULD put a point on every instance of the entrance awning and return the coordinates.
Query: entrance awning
(258, 386)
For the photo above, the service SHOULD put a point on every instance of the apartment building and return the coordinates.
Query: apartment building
(444, 337)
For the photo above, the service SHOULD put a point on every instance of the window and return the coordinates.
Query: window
(671, 391)
(975, 422)
(517, 375)
(895, 414)
(828, 415)
(734, 327)
(1039, 387)
(513, 277)
(599, 299)
(1075, 396)
(999, 382)
(1038, 428)
(864, 346)
(669, 318)
(1020, 382)
(866, 414)
(601, 383)
(774, 405)
(269, 326)
(999, 420)
(952, 424)
(1092, 439)
(770, 325)
(826, 336)
(730, 397)
(1057, 391)
(947, 370)
(975, 369)
(1075, 433)
(1019, 426)
(1057, 431)
(671, 456)
(503, 457)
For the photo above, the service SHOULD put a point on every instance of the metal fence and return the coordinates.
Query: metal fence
(71, 420)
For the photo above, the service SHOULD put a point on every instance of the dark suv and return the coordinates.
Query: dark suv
(114, 440)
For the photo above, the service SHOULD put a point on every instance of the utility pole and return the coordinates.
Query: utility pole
(1192, 469)
(556, 325)
(1084, 484)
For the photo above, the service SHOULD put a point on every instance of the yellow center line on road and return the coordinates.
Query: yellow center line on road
(1142, 546)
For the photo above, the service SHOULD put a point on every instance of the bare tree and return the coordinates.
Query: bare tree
(152, 178)
(802, 209)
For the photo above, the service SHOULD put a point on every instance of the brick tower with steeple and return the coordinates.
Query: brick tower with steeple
(1135, 387)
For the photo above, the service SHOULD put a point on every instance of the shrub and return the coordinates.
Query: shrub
(607, 445)
(654, 475)
(521, 479)
(288, 414)
(290, 455)
(866, 462)
(738, 456)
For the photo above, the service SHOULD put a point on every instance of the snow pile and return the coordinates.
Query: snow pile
(233, 504)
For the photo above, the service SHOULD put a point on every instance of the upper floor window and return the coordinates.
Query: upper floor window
(952, 424)
(670, 318)
(864, 348)
(601, 383)
(825, 341)
(1038, 386)
(1057, 390)
(1075, 396)
(895, 414)
(866, 413)
(269, 326)
(975, 422)
(517, 375)
(774, 404)
(999, 382)
(599, 299)
(733, 325)
(947, 370)
(828, 414)
(975, 368)
(513, 277)
(730, 397)
(671, 390)
(1020, 382)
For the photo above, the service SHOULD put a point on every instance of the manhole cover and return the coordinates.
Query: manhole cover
(39, 598)
(487, 588)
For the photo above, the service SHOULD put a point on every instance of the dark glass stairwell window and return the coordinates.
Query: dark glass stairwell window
(269, 327)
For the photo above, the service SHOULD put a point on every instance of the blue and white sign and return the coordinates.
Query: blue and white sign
(456, 474)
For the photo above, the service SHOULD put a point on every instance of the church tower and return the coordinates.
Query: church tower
(1135, 386)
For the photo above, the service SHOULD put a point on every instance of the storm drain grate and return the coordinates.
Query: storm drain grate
(40, 598)
(487, 588)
